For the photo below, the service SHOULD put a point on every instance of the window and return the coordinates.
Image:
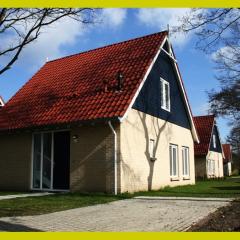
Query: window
(42, 160)
(165, 95)
(151, 148)
(173, 150)
(214, 141)
(211, 167)
(185, 161)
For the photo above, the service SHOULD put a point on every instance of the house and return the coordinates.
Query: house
(227, 160)
(1, 102)
(208, 153)
(113, 119)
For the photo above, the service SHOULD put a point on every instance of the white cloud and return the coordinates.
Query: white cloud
(227, 51)
(49, 44)
(162, 17)
(113, 17)
(63, 33)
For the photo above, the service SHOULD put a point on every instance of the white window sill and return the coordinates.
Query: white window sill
(186, 177)
(168, 110)
(174, 178)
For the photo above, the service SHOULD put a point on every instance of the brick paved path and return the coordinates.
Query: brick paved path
(125, 215)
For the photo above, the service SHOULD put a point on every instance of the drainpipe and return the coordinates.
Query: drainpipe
(115, 156)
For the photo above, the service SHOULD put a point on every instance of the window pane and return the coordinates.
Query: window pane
(209, 167)
(46, 174)
(214, 141)
(167, 96)
(36, 160)
(170, 154)
(174, 162)
(162, 94)
(187, 161)
(151, 148)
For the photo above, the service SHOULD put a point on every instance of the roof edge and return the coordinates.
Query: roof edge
(112, 44)
(193, 128)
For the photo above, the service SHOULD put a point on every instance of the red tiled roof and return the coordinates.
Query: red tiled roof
(71, 89)
(227, 153)
(204, 126)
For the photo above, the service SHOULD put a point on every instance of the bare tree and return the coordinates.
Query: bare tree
(20, 27)
(234, 140)
(214, 28)
(218, 34)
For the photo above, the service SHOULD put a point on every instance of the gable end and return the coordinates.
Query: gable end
(149, 99)
(218, 146)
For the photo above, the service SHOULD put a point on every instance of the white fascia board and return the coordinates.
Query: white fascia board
(220, 140)
(193, 129)
(219, 137)
(1, 102)
(143, 81)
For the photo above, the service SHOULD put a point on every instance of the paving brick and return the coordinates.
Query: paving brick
(125, 215)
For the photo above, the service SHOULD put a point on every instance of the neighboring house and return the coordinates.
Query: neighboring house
(208, 153)
(113, 119)
(1, 102)
(227, 160)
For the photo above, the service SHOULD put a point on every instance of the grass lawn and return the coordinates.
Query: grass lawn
(229, 187)
(52, 203)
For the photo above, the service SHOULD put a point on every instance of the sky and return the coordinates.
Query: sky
(115, 25)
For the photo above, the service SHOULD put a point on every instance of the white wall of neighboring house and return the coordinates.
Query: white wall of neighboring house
(228, 169)
(214, 164)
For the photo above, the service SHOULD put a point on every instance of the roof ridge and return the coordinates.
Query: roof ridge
(113, 44)
(209, 115)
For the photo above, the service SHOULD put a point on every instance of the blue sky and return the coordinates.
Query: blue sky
(116, 25)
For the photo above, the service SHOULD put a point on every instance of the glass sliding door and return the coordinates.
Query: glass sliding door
(47, 161)
(42, 161)
(51, 160)
(36, 161)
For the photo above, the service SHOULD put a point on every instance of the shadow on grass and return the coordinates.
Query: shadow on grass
(185, 194)
(13, 227)
(229, 188)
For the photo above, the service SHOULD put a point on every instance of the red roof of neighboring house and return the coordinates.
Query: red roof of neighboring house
(204, 126)
(227, 153)
(71, 89)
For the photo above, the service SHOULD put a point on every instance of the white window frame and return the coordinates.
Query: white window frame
(185, 159)
(214, 141)
(151, 148)
(211, 167)
(171, 147)
(164, 104)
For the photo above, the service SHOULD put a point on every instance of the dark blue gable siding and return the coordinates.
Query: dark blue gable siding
(218, 143)
(149, 98)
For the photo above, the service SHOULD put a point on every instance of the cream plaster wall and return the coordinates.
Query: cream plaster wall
(218, 158)
(138, 172)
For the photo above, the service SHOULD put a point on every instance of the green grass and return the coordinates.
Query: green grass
(52, 203)
(229, 187)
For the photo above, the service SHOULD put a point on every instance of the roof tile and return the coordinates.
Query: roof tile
(227, 153)
(204, 126)
(71, 89)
